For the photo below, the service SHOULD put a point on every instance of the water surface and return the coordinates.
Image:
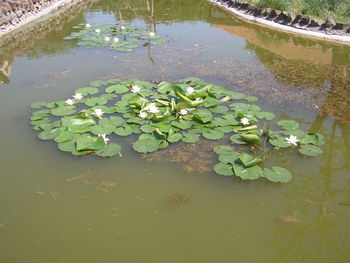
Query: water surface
(128, 209)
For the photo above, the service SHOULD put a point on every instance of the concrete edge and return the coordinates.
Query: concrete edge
(41, 14)
(271, 24)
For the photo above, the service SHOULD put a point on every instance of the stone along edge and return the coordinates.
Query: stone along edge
(298, 24)
(33, 14)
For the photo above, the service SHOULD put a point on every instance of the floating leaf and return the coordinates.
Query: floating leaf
(190, 137)
(146, 146)
(251, 173)
(213, 134)
(86, 142)
(110, 150)
(118, 89)
(313, 138)
(63, 111)
(87, 91)
(277, 174)
(310, 150)
(288, 124)
(223, 169)
(96, 101)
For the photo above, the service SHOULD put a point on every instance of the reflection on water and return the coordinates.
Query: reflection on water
(169, 206)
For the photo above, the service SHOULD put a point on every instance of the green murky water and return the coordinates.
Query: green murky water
(172, 207)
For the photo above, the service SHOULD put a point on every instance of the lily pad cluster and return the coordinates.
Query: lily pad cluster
(157, 115)
(119, 37)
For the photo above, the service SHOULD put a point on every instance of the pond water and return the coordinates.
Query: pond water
(171, 207)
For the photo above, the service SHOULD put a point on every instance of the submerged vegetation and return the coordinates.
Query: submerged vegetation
(161, 114)
(118, 37)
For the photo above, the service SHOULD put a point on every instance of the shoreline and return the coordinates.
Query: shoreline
(283, 21)
(34, 15)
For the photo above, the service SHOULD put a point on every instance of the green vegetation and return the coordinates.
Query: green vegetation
(338, 9)
(185, 111)
(122, 38)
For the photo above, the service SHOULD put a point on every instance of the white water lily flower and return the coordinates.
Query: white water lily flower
(292, 140)
(244, 121)
(183, 111)
(97, 31)
(104, 137)
(98, 113)
(123, 27)
(153, 108)
(107, 39)
(135, 89)
(69, 102)
(77, 96)
(143, 115)
(189, 90)
(87, 25)
(152, 34)
(115, 39)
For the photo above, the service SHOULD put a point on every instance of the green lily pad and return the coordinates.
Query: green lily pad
(146, 146)
(96, 101)
(118, 89)
(313, 138)
(223, 169)
(288, 124)
(190, 137)
(277, 174)
(310, 150)
(251, 173)
(87, 91)
(63, 111)
(110, 150)
(213, 134)
(89, 143)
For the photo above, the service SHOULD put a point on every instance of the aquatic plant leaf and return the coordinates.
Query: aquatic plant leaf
(277, 174)
(115, 120)
(146, 146)
(223, 149)
(312, 138)
(288, 124)
(298, 133)
(98, 83)
(202, 115)
(102, 129)
(223, 169)
(213, 134)
(88, 143)
(251, 98)
(78, 124)
(64, 136)
(96, 101)
(38, 105)
(165, 87)
(236, 138)
(265, 115)
(87, 91)
(251, 173)
(68, 146)
(63, 110)
(228, 157)
(118, 89)
(190, 137)
(310, 150)
(124, 130)
(279, 142)
(50, 134)
(173, 137)
(147, 128)
(236, 95)
(109, 150)
(181, 124)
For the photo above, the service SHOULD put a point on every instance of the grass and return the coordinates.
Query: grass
(337, 9)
